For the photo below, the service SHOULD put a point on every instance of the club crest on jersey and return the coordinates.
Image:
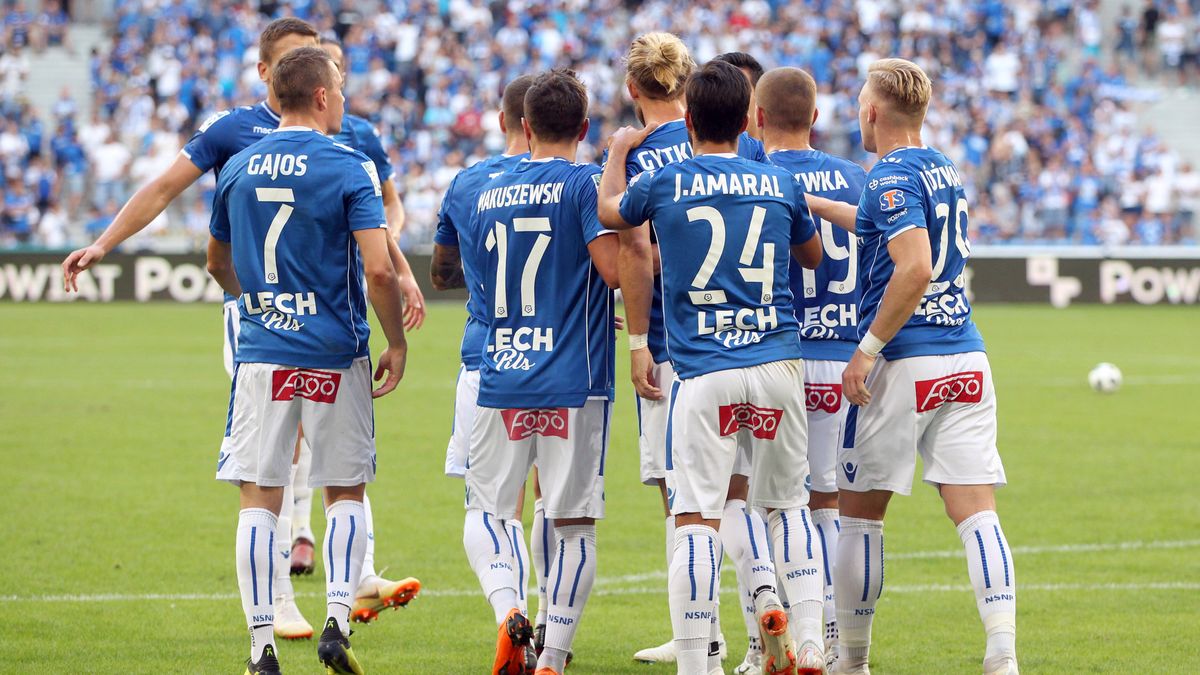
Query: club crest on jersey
(822, 397)
(762, 422)
(891, 200)
(957, 388)
(547, 422)
(317, 386)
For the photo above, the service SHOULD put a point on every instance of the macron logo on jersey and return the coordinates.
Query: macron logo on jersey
(823, 397)
(762, 422)
(317, 386)
(957, 388)
(547, 422)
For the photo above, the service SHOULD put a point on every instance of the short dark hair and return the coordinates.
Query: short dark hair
(298, 74)
(788, 96)
(513, 100)
(718, 96)
(279, 29)
(556, 105)
(745, 62)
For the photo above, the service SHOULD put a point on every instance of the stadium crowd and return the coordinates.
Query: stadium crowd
(1034, 99)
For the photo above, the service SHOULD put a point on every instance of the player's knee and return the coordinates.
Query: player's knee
(964, 501)
(567, 522)
(335, 494)
(822, 500)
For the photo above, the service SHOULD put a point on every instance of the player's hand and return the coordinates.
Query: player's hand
(618, 322)
(628, 138)
(854, 378)
(80, 260)
(391, 361)
(642, 367)
(414, 303)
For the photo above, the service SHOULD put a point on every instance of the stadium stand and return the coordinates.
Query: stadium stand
(1037, 101)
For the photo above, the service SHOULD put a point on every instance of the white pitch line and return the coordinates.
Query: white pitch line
(633, 590)
(604, 583)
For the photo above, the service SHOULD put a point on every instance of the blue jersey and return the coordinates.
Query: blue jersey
(227, 133)
(550, 340)
(725, 227)
(454, 217)
(289, 205)
(359, 134)
(668, 144)
(918, 188)
(827, 298)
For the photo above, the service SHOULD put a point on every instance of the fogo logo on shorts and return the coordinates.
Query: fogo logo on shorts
(522, 424)
(957, 388)
(317, 386)
(822, 397)
(762, 422)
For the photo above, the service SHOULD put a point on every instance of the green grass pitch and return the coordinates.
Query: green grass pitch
(117, 551)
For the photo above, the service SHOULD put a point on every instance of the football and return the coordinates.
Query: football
(1105, 378)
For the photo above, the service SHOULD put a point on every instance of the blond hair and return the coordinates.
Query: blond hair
(659, 65)
(903, 84)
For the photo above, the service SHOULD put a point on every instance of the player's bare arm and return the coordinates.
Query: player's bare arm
(911, 253)
(604, 251)
(841, 214)
(612, 182)
(383, 288)
(414, 300)
(220, 266)
(393, 209)
(809, 253)
(143, 207)
(446, 270)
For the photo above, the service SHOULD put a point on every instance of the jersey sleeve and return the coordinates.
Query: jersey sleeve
(635, 204)
(752, 149)
(206, 146)
(893, 200)
(587, 197)
(218, 224)
(447, 231)
(364, 197)
(803, 227)
(372, 147)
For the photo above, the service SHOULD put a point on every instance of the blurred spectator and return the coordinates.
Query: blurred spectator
(110, 165)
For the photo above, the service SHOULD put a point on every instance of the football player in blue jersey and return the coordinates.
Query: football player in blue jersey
(546, 373)
(727, 228)
(297, 225)
(657, 67)
(753, 71)
(826, 298)
(919, 380)
(458, 263)
(221, 137)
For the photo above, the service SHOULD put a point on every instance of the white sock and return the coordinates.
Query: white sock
(574, 574)
(491, 558)
(368, 564)
(990, 565)
(345, 546)
(800, 571)
(255, 556)
(302, 503)
(283, 548)
(669, 530)
(544, 544)
(714, 626)
(743, 534)
(516, 537)
(692, 589)
(858, 583)
(746, 604)
(825, 521)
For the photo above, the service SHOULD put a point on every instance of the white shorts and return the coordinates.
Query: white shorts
(758, 410)
(267, 404)
(568, 444)
(652, 426)
(943, 407)
(466, 393)
(826, 413)
(233, 329)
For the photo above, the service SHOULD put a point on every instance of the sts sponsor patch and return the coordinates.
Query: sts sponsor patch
(891, 200)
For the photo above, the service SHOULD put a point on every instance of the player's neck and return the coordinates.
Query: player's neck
(301, 120)
(661, 112)
(888, 140)
(272, 102)
(550, 150)
(516, 145)
(713, 148)
(775, 141)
